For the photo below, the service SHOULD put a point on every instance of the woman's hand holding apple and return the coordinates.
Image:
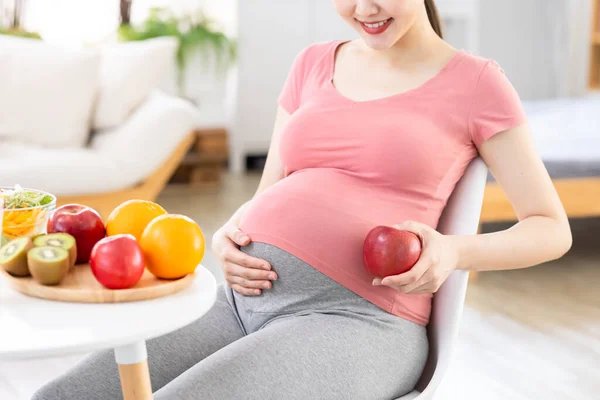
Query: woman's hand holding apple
(438, 258)
(245, 274)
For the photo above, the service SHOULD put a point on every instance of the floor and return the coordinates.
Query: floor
(525, 335)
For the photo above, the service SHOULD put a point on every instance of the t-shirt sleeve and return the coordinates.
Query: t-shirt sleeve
(290, 95)
(496, 105)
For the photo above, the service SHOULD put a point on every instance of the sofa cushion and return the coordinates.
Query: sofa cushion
(146, 140)
(46, 93)
(129, 72)
(68, 171)
(116, 159)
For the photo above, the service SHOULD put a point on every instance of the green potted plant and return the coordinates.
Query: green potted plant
(198, 35)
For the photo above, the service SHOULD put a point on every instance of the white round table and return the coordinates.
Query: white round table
(37, 328)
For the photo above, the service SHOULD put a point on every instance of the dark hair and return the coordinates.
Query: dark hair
(434, 17)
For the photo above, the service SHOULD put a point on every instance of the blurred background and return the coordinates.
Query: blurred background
(174, 101)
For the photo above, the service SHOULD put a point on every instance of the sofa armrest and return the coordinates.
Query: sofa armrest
(148, 137)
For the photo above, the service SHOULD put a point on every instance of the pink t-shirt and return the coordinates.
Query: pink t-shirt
(350, 166)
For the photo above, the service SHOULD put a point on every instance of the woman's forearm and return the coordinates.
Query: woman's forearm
(530, 242)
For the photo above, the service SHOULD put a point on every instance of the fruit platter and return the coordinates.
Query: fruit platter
(69, 253)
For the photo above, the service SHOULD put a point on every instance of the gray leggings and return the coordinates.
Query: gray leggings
(306, 338)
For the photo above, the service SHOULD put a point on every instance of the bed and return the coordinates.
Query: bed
(566, 133)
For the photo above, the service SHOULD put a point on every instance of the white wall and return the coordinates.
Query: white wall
(541, 44)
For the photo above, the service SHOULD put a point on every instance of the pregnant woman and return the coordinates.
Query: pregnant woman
(375, 131)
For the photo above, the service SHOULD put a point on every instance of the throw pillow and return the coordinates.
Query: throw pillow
(47, 93)
(129, 72)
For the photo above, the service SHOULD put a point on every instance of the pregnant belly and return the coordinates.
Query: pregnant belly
(323, 218)
(324, 225)
(314, 232)
(299, 287)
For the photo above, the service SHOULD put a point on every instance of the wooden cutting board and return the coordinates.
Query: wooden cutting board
(80, 286)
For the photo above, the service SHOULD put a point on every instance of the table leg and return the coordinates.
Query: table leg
(133, 370)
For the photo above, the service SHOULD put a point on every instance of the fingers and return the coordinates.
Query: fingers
(234, 255)
(377, 282)
(245, 291)
(251, 274)
(422, 283)
(249, 284)
(410, 277)
(426, 276)
(414, 279)
(238, 237)
(224, 245)
(417, 228)
(428, 283)
(248, 281)
(245, 274)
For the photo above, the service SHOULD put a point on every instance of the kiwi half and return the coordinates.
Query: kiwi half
(13, 256)
(62, 240)
(48, 265)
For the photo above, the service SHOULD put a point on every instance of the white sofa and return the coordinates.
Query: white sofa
(86, 122)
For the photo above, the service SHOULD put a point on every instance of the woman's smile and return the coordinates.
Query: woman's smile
(375, 27)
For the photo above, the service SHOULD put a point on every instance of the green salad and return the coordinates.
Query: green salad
(22, 198)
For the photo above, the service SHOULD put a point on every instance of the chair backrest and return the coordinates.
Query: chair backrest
(460, 217)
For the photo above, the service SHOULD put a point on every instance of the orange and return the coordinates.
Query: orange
(173, 246)
(132, 217)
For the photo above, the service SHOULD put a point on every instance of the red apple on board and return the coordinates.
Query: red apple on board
(117, 261)
(390, 251)
(81, 222)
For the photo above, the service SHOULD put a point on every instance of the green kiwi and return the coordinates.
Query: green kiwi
(13, 256)
(62, 240)
(3, 240)
(48, 265)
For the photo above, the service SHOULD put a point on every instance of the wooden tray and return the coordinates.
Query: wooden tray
(80, 286)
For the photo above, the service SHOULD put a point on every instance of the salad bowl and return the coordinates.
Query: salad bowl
(24, 211)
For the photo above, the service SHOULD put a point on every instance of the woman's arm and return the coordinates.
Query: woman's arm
(542, 233)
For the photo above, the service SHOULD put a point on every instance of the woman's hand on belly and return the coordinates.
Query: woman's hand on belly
(245, 274)
(439, 257)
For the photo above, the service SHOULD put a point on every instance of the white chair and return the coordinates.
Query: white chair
(460, 217)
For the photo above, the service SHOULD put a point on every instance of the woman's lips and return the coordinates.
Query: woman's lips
(376, 28)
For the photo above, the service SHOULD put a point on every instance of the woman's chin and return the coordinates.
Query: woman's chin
(382, 41)
(377, 43)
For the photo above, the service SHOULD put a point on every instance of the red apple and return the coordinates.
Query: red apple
(117, 261)
(81, 222)
(390, 251)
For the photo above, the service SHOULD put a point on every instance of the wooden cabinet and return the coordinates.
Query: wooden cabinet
(206, 160)
(595, 47)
